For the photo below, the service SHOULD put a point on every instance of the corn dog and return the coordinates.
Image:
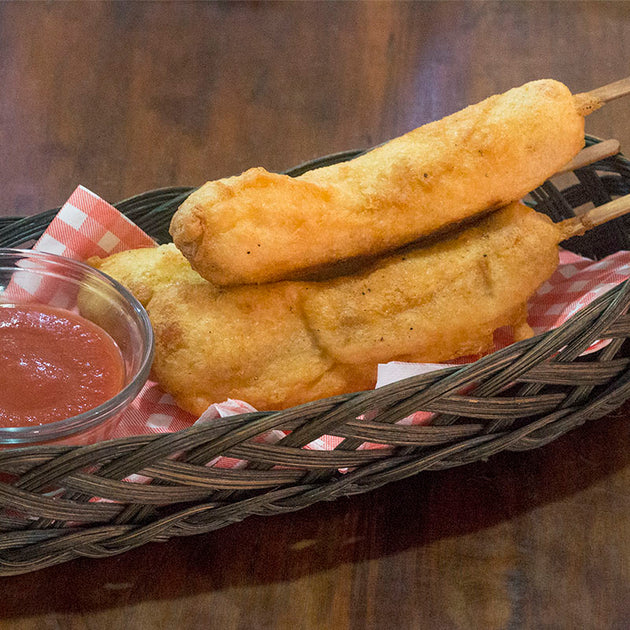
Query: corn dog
(211, 344)
(281, 344)
(261, 226)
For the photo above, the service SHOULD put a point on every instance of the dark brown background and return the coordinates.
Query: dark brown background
(126, 97)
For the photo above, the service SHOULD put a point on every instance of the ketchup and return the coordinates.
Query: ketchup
(54, 364)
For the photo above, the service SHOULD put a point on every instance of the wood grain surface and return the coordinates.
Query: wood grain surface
(127, 97)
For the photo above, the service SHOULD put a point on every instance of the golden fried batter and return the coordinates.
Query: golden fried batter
(144, 270)
(439, 302)
(244, 343)
(281, 344)
(262, 226)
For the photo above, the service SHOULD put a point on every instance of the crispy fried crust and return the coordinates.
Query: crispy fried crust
(262, 226)
(285, 343)
(244, 344)
(436, 303)
(143, 271)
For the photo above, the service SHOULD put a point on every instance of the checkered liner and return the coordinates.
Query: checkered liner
(88, 226)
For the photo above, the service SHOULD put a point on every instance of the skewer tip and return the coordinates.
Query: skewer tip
(588, 102)
(576, 226)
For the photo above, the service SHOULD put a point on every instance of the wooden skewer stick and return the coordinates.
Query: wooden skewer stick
(610, 92)
(588, 102)
(575, 226)
(589, 155)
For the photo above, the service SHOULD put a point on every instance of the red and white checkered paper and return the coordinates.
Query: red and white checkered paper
(88, 226)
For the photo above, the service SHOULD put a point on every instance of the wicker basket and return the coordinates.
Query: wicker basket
(518, 398)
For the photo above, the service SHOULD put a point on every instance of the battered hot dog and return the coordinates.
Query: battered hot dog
(281, 344)
(260, 226)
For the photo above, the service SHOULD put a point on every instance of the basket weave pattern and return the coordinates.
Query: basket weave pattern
(518, 398)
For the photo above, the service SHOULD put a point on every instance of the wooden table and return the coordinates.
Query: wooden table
(127, 97)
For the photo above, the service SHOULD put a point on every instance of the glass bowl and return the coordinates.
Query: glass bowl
(34, 278)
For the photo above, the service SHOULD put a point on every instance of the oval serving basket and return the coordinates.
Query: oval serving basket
(518, 398)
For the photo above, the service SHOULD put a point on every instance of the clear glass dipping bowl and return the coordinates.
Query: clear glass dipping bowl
(30, 277)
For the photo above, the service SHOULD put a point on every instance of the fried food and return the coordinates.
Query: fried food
(281, 344)
(244, 343)
(261, 226)
(250, 343)
(436, 303)
(143, 271)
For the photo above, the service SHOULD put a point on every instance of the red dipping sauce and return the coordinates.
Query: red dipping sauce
(54, 364)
